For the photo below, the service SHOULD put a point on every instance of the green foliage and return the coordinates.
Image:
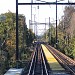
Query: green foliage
(29, 37)
(69, 51)
(8, 33)
(51, 35)
(66, 39)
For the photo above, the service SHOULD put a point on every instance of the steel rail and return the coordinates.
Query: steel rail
(35, 60)
(55, 54)
(31, 64)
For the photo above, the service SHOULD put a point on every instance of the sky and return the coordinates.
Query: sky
(41, 15)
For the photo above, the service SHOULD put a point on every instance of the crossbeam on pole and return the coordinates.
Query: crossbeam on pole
(47, 3)
(41, 23)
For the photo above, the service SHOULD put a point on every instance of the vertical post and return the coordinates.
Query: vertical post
(68, 39)
(0, 47)
(45, 28)
(34, 25)
(49, 32)
(36, 31)
(17, 50)
(31, 14)
(56, 25)
(29, 23)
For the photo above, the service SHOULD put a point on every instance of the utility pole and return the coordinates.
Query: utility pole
(56, 26)
(17, 50)
(31, 14)
(29, 23)
(45, 28)
(49, 32)
(34, 25)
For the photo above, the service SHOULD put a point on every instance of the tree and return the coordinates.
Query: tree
(29, 37)
(65, 32)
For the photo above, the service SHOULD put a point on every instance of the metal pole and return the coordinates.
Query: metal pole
(36, 31)
(56, 25)
(17, 50)
(31, 14)
(29, 23)
(34, 26)
(49, 32)
(0, 46)
(45, 29)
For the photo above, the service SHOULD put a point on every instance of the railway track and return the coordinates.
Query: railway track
(65, 61)
(38, 64)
